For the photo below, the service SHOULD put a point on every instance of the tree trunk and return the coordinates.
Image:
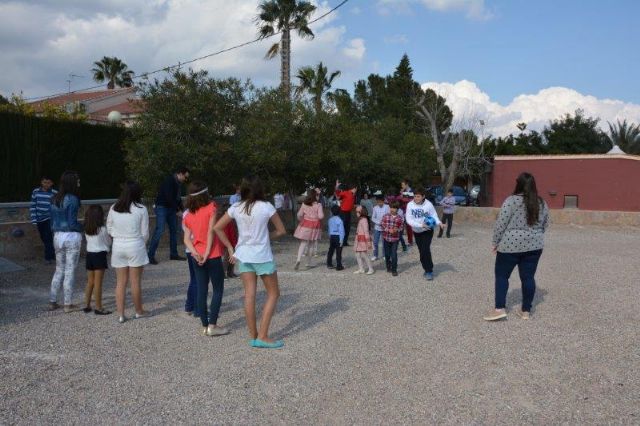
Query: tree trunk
(438, 140)
(318, 104)
(111, 85)
(285, 65)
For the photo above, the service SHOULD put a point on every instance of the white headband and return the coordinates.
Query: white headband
(199, 192)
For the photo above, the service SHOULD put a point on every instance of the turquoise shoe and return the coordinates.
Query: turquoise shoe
(266, 345)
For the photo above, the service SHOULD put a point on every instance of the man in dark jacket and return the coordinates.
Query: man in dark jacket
(168, 205)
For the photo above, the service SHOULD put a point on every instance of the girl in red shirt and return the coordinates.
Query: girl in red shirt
(207, 252)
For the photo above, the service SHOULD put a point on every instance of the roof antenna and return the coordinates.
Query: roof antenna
(71, 77)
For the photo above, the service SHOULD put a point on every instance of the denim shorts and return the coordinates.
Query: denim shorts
(266, 268)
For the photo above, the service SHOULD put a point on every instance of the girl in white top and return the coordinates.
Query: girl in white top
(128, 225)
(98, 245)
(253, 253)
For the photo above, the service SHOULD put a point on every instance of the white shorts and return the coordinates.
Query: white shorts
(129, 253)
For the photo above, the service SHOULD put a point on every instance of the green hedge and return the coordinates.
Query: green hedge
(33, 146)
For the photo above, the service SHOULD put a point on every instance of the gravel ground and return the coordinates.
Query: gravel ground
(359, 349)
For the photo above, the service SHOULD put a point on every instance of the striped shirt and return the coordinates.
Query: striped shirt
(40, 209)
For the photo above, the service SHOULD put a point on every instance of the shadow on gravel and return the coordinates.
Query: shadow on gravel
(514, 298)
(305, 318)
(439, 268)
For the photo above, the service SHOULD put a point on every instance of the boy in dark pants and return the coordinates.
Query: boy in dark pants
(448, 204)
(41, 216)
(336, 239)
(417, 211)
(392, 224)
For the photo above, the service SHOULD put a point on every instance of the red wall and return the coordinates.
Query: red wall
(600, 182)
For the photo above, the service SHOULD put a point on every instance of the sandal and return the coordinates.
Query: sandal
(87, 309)
(101, 312)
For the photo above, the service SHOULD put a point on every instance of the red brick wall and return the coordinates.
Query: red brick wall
(603, 183)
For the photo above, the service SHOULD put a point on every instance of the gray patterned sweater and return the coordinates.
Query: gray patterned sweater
(512, 234)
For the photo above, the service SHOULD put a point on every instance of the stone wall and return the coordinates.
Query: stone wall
(15, 218)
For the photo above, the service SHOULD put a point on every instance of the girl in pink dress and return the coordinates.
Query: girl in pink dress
(363, 243)
(308, 230)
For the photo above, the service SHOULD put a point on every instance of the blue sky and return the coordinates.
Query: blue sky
(502, 61)
(525, 46)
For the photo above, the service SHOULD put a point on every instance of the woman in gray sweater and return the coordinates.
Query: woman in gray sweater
(518, 239)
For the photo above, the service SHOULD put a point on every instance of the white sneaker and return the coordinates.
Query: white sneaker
(213, 330)
(122, 319)
(359, 271)
(370, 272)
(373, 258)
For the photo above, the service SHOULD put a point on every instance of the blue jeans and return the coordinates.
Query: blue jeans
(168, 216)
(376, 241)
(391, 254)
(212, 270)
(527, 263)
(44, 229)
(192, 290)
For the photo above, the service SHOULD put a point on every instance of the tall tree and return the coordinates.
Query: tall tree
(317, 82)
(626, 136)
(451, 146)
(284, 16)
(114, 71)
(575, 134)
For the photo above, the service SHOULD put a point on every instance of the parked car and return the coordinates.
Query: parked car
(435, 194)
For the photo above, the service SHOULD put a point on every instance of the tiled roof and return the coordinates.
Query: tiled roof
(80, 97)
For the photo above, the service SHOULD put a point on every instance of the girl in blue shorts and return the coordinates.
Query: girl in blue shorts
(253, 255)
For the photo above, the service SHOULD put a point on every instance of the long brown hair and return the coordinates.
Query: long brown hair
(131, 194)
(68, 185)
(196, 202)
(251, 190)
(312, 197)
(93, 219)
(364, 213)
(526, 186)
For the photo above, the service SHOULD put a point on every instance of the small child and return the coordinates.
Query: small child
(379, 210)
(448, 204)
(98, 245)
(363, 241)
(392, 224)
(336, 238)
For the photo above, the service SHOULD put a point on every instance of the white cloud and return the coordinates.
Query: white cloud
(468, 101)
(473, 9)
(355, 49)
(43, 41)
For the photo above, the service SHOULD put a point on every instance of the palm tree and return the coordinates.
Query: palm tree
(114, 71)
(315, 81)
(625, 135)
(284, 16)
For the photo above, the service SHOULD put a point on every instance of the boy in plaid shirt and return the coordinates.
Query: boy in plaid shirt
(391, 228)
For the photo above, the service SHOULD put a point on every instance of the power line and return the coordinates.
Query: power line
(180, 64)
